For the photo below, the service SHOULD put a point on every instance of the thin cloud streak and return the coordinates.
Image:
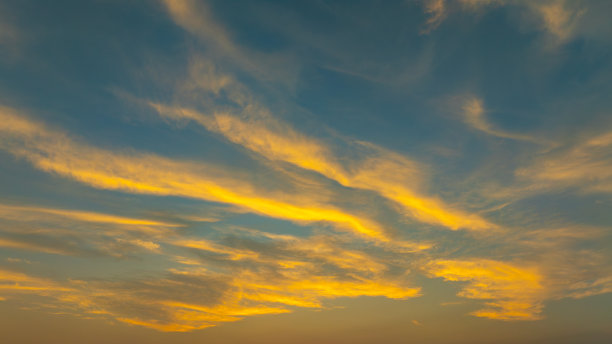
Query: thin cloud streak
(391, 175)
(197, 18)
(27, 212)
(558, 18)
(54, 152)
(516, 292)
(474, 114)
(78, 233)
(195, 297)
(585, 165)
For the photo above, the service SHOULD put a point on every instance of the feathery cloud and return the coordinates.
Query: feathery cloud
(390, 174)
(54, 152)
(585, 165)
(516, 292)
(474, 115)
(555, 17)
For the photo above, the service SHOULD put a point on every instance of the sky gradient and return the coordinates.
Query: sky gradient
(180, 171)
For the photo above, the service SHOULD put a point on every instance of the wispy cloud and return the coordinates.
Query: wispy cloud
(54, 152)
(18, 260)
(291, 273)
(516, 292)
(558, 18)
(216, 280)
(28, 213)
(197, 18)
(436, 9)
(585, 165)
(378, 169)
(474, 114)
(293, 161)
(11, 37)
(254, 272)
(78, 233)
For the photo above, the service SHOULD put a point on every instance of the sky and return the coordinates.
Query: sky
(417, 171)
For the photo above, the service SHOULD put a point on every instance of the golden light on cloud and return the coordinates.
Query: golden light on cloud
(514, 292)
(244, 294)
(556, 17)
(585, 165)
(386, 172)
(27, 212)
(313, 171)
(474, 113)
(54, 152)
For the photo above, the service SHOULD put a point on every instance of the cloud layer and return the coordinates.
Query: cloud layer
(210, 164)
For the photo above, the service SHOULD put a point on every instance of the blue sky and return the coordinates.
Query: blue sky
(330, 171)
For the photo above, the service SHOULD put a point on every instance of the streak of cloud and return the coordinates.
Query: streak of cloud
(55, 152)
(385, 172)
(515, 292)
(558, 18)
(197, 18)
(585, 165)
(199, 296)
(474, 115)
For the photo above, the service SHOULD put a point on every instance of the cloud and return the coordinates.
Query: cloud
(78, 233)
(12, 283)
(597, 286)
(378, 173)
(585, 165)
(28, 213)
(8, 34)
(252, 126)
(516, 292)
(558, 18)
(291, 273)
(55, 152)
(219, 279)
(253, 272)
(18, 260)
(578, 163)
(222, 299)
(547, 264)
(294, 272)
(284, 251)
(11, 36)
(436, 9)
(41, 243)
(474, 115)
(197, 18)
(358, 205)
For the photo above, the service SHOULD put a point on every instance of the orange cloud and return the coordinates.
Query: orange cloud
(474, 114)
(186, 300)
(197, 18)
(585, 165)
(54, 152)
(26, 213)
(516, 292)
(555, 17)
(384, 172)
